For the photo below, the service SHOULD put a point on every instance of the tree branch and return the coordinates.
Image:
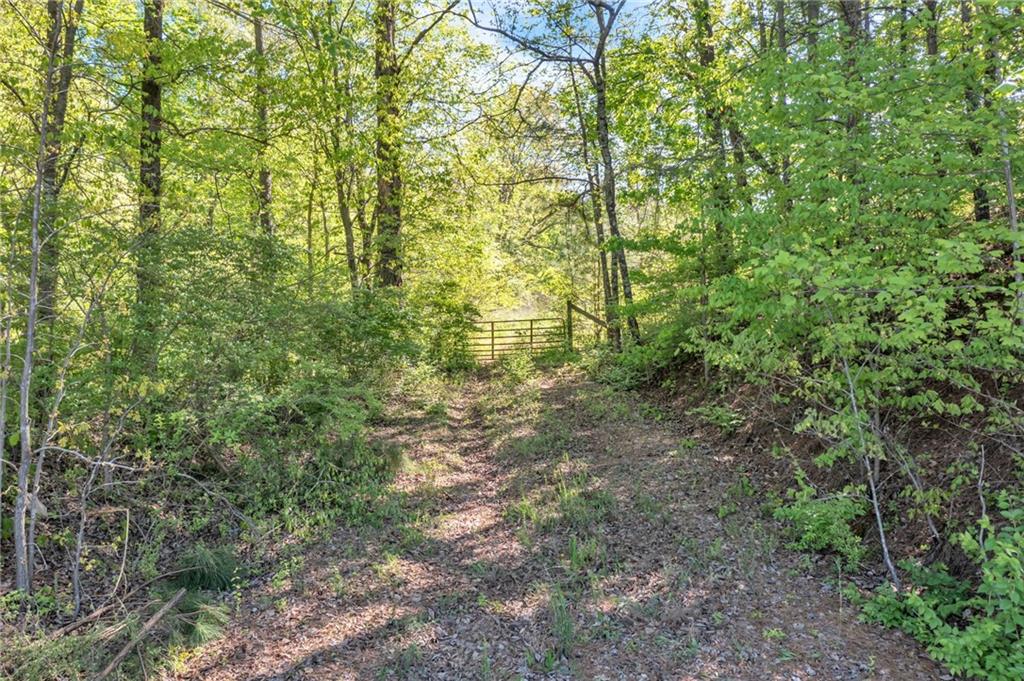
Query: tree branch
(427, 29)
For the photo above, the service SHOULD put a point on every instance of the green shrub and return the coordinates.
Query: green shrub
(975, 630)
(445, 324)
(635, 366)
(725, 419)
(517, 368)
(422, 384)
(821, 524)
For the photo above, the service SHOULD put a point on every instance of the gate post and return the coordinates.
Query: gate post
(568, 324)
(492, 341)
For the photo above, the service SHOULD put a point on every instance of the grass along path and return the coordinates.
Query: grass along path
(554, 530)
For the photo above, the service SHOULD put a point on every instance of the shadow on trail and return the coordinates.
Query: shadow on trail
(568, 532)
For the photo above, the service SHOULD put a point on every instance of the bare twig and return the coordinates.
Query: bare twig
(981, 499)
(872, 471)
(76, 578)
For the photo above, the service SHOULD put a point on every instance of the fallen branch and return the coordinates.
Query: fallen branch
(150, 623)
(104, 609)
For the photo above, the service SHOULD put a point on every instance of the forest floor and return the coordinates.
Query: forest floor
(556, 530)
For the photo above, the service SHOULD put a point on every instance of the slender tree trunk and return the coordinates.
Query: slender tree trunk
(610, 205)
(23, 567)
(932, 28)
(265, 197)
(813, 10)
(7, 322)
(343, 190)
(932, 51)
(852, 15)
(343, 186)
(614, 329)
(739, 161)
(610, 304)
(366, 232)
(593, 189)
(904, 37)
(150, 180)
(63, 27)
(783, 46)
(714, 132)
(388, 145)
(343, 194)
(850, 12)
(979, 195)
(310, 268)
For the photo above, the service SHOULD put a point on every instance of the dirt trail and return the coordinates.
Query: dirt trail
(556, 531)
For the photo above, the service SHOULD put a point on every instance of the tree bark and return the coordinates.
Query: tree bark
(61, 39)
(932, 28)
(22, 565)
(593, 189)
(851, 13)
(813, 10)
(342, 188)
(979, 195)
(388, 145)
(714, 131)
(366, 231)
(343, 184)
(7, 322)
(151, 183)
(604, 144)
(310, 268)
(780, 13)
(265, 196)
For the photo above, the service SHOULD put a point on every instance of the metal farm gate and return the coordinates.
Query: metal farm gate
(493, 338)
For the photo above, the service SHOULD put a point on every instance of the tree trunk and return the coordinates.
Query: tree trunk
(7, 322)
(610, 205)
(932, 28)
(593, 189)
(979, 194)
(780, 13)
(850, 12)
(150, 181)
(63, 25)
(310, 267)
(366, 231)
(813, 11)
(739, 161)
(61, 39)
(22, 565)
(263, 131)
(343, 185)
(712, 113)
(388, 145)
(852, 15)
(344, 193)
